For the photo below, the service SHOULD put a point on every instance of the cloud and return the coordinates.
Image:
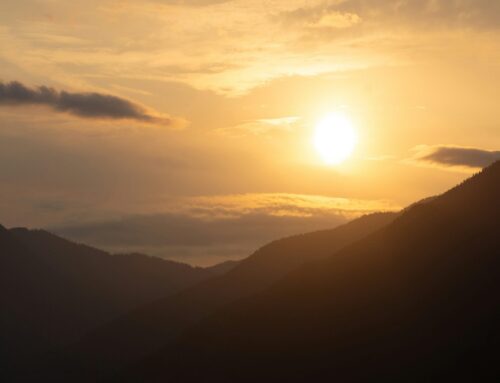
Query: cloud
(207, 229)
(86, 105)
(338, 20)
(439, 13)
(466, 13)
(192, 239)
(281, 204)
(196, 3)
(262, 126)
(305, 37)
(450, 156)
(321, 16)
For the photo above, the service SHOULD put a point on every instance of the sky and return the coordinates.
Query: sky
(184, 129)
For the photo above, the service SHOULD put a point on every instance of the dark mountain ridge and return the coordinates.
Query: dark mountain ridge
(417, 301)
(144, 331)
(53, 291)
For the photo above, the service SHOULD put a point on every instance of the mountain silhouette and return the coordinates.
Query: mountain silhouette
(418, 300)
(146, 330)
(409, 296)
(53, 291)
(222, 268)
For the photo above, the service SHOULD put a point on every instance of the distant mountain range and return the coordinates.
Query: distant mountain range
(410, 296)
(53, 291)
(146, 330)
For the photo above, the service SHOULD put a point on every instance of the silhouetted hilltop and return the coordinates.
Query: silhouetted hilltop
(418, 300)
(150, 328)
(53, 290)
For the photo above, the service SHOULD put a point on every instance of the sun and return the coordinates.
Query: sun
(335, 138)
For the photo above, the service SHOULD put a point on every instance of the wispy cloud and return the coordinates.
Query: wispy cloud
(263, 126)
(194, 3)
(471, 13)
(449, 156)
(320, 16)
(283, 204)
(84, 104)
(280, 38)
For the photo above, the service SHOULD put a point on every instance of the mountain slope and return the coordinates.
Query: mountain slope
(146, 330)
(415, 301)
(223, 267)
(27, 296)
(110, 275)
(53, 291)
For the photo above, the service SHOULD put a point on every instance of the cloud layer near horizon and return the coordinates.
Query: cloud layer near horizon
(209, 229)
(83, 104)
(455, 156)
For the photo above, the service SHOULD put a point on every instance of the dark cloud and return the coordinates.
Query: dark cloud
(87, 105)
(449, 156)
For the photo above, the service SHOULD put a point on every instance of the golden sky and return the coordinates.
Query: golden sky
(204, 111)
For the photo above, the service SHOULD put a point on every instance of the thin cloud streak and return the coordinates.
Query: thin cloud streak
(85, 104)
(263, 126)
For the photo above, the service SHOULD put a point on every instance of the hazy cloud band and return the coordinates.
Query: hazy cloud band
(206, 229)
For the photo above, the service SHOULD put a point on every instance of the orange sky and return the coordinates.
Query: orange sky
(214, 107)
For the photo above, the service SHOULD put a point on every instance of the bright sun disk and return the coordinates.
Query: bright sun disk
(334, 138)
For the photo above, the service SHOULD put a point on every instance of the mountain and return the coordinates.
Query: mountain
(418, 300)
(148, 329)
(222, 268)
(27, 289)
(53, 291)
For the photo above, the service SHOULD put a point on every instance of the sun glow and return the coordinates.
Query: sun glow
(335, 138)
